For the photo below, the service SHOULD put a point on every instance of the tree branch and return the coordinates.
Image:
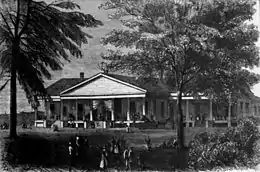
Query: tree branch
(7, 25)
(27, 18)
(17, 19)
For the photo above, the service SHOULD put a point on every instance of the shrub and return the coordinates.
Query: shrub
(55, 127)
(170, 143)
(234, 146)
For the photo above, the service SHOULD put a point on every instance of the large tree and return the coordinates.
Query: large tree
(35, 37)
(192, 46)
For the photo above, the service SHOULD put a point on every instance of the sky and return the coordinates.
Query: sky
(256, 21)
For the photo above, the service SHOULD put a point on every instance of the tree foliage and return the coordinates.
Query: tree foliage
(193, 46)
(35, 37)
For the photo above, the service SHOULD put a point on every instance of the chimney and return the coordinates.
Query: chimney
(81, 75)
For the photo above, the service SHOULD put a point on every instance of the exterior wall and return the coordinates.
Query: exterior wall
(55, 113)
(104, 86)
(124, 108)
(159, 113)
(246, 107)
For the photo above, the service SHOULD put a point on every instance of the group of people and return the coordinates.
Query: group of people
(112, 153)
(127, 156)
(75, 148)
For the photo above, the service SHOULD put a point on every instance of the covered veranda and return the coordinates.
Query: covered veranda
(104, 110)
(203, 112)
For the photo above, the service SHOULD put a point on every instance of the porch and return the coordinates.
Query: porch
(104, 112)
(203, 112)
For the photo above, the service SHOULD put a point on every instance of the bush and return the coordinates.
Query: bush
(170, 143)
(235, 146)
(55, 127)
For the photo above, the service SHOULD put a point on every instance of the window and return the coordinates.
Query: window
(52, 107)
(255, 110)
(162, 108)
(247, 107)
(241, 106)
(65, 110)
(146, 107)
(154, 107)
(258, 109)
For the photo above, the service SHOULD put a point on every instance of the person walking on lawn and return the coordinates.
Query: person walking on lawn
(126, 158)
(70, 149)
(77, 146)
(117, 153)
(103, 161)
(140, 161)
(130, 157)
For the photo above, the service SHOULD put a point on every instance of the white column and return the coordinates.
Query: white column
(187, 113)
(229, 112)
(91, 110)
(61, 109)
(112, 110)
(166, 108)
(151, 107)
(210, 110)
(128, 110)
(76, 109)
(48, 109)
(144, 106)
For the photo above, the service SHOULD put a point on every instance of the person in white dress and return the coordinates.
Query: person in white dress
(103, 161)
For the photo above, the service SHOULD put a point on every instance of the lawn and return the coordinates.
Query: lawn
(42, 148)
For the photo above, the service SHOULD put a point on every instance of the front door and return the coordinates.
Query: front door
(80, 111)
(117, 108)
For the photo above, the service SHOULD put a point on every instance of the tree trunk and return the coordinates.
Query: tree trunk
(35, 113)
(13, 101)
(13, 91)
(180, 127)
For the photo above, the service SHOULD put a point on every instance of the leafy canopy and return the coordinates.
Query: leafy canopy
(193, 46)
(43, 34)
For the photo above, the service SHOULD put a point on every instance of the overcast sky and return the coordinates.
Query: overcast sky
(256, 20)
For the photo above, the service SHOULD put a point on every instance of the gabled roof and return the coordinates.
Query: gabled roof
(63, 84)
(102, 75)
(152, 86)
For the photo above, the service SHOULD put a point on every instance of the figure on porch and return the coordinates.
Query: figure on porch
(71, 120)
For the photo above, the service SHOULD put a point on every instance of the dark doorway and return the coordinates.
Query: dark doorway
(80, 111)
(117, 108)
(132, 108)
(171, 109)
(65, 110)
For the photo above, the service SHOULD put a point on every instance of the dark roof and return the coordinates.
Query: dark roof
(153, 87)
(63, 84)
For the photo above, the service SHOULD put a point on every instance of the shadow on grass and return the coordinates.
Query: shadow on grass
(52, 152)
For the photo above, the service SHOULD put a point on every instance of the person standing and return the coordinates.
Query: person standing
(140, 161)
(126, 158)
(130, 156)
(103, 161)
(77, 146)
(116, 153)
(70, 149)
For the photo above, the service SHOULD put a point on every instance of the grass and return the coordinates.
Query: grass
(37, 147)
(41, 148)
